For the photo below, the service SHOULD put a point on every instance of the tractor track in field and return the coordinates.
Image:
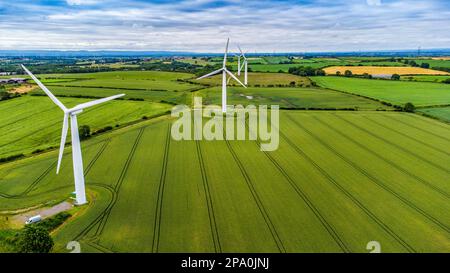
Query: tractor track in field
(393, 144)
(373, 178)
(159, 203)
(408, 136)
(418, 128)
(92, 224)
(330, 179)
(46, 172)
(96, 157)
(101, 219)
(37, 180)
(328, 227)
(31, 186)
(119, 183)
(24, 118)
(401, 169)
(257, 200)
(32, 133)
(209, 201)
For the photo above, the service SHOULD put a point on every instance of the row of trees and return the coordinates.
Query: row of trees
(306, 71)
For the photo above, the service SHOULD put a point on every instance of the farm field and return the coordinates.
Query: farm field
(320, 63)
(33, 122)
(290, 98)
(434, 63)
(421, 78)
(381, 70)
(362, 164)
(395, 92)
(442, 113)
(261, 79)
(143, 80)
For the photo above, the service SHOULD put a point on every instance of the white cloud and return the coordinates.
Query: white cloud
(373, 2)
(256, 25)
(81, 2)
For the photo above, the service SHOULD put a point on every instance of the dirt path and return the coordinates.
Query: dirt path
(45, 212)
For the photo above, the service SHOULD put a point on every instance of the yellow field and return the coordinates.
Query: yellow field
(445, 58)
(377, 70)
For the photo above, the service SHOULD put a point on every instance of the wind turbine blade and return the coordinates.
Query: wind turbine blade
(95, 102)
(225, 55)
(234, 77)
(243, 63)
(65, 128)
(240, 50)
(42, 86)
(210, 74)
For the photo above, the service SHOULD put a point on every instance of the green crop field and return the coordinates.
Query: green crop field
(34, 122)
(140, 80)
(395, 92)
(316, 63)
(162, 195)
(424, 78)
(434, 63)
(442, 113)
(290, 98)
(261, 79)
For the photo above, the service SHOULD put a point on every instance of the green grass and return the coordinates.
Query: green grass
(289, 98)
(442, 113)
(332, 186)
(316, 63)
(34, 122)
(395, 92)
(260, 79)
(424, 78)
(434, 63)
(144, 80)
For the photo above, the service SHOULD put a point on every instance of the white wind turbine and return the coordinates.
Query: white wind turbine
(76, 147)
(245, 65)
(224, 71)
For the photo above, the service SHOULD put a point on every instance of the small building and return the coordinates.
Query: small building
(13, 81)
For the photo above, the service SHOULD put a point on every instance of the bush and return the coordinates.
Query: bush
(409, 107)
(11, 158)
(84, 131)
(395, 77)
(348, 73)
(34, 239)
(55, 221)
(447, 81)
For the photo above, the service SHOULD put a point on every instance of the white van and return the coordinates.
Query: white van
(33, 219)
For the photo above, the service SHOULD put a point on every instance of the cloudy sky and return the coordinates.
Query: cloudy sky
(203, 25)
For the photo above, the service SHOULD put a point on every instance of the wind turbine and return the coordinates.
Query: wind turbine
(224, 71)
(76, 147)
(245, 65)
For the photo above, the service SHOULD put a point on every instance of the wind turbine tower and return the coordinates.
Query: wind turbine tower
(72, 113)
(224, 71)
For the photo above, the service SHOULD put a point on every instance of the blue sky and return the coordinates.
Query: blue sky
(204, 25)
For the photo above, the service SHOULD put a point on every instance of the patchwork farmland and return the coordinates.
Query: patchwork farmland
(347, 159)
